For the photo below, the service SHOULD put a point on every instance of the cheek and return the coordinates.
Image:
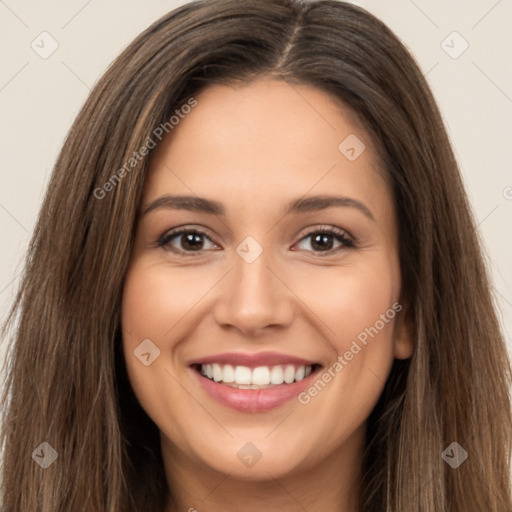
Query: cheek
(356, 306)
(155, 304)
(154, 300)
(351, 299)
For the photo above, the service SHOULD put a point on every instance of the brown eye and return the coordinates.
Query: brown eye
(323, 240)
(185, 240)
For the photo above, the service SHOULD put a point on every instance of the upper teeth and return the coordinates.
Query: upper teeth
(259, 376)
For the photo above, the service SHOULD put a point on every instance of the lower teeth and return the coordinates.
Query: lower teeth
(249, 386)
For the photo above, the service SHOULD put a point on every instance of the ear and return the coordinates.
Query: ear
(404, 334)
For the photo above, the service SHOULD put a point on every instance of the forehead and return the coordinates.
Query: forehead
(266, 142)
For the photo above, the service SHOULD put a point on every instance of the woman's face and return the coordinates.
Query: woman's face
(295, 329)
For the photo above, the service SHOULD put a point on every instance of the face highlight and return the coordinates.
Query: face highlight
(264, 251)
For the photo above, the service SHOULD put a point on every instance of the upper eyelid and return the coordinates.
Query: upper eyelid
(184, 229)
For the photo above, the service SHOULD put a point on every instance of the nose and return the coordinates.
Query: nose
(254, 297)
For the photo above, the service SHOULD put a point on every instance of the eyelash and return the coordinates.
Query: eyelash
(339, 234)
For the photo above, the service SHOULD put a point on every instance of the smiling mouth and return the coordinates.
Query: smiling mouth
(260, 377)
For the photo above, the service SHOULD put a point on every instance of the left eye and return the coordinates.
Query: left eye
(322, 240)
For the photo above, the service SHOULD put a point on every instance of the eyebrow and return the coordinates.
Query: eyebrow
(301, 205)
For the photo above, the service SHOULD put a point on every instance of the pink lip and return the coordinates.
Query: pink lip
(252, 360)
(252, 400)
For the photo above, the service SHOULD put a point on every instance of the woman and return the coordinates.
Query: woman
(256, 283)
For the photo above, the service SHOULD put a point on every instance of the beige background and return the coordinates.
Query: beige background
(39, 99)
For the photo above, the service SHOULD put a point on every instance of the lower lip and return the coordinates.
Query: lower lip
(253, 400)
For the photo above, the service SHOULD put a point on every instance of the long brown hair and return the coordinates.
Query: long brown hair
(66, 382)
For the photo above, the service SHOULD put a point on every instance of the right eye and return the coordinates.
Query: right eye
(185, 241)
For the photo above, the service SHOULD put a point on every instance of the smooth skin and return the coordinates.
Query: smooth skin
(254, 148)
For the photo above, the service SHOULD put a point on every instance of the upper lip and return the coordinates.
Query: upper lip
(252, 360)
